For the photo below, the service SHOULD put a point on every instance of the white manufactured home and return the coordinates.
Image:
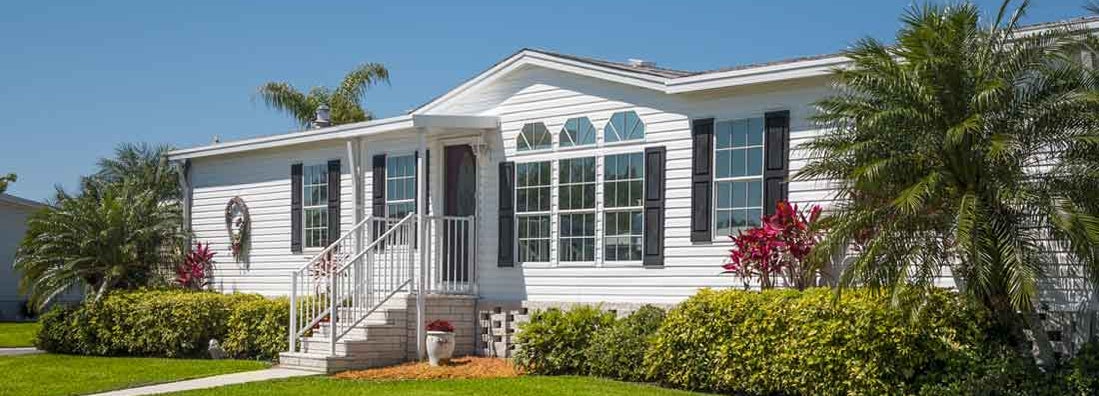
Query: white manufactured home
(546, 179)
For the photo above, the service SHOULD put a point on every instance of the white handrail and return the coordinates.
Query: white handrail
(345, 284)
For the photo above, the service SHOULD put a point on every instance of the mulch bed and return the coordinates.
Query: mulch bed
(463, 367)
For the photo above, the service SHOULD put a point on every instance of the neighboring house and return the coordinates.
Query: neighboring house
(13, 224)
(550, 179)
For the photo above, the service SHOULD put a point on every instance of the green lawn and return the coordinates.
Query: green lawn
(17, 334)
(49, 374)
(522, 386)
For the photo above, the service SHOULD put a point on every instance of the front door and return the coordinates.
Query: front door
(459, 200)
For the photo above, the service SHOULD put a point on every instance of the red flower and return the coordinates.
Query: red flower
(197, 265)
(779, 245)
(440, 325)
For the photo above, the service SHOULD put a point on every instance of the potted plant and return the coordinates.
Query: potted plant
(440, 341)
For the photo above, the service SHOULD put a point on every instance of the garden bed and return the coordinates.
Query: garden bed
(458, 368)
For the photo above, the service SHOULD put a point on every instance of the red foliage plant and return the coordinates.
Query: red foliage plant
(780, 245)
(195, 271)
(440, 325)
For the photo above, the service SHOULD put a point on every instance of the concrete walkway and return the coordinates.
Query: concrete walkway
(211, 382)
(19, 351)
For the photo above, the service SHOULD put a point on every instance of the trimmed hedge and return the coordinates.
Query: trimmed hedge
(167, 323)
(258, 329)
(554, 341)
(618, 351)
(790, 342)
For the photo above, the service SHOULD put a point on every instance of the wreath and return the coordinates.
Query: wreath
(238, 224)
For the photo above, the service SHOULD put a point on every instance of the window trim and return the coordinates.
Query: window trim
(305, 208)
(714, 169)
(619, 209)
(552, 142)
(558, 211)
(389, 176)
(550, 213)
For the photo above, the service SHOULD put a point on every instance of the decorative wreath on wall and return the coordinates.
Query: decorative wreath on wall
(238, 223)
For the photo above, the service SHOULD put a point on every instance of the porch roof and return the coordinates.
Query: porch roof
(360, 129)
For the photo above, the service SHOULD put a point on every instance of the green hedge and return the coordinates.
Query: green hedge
(618, 351)
(167, 323)
(790, 342)
(554, 341)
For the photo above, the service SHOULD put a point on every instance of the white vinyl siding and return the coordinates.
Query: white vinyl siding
(738, 175)
(315, 205)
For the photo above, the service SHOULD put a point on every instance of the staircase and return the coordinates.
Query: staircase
(351, 306)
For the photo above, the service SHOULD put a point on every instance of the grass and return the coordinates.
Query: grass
(521, 386)
(50, 375)
(17, 334)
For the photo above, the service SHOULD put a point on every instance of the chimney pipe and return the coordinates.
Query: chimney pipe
(323, 117)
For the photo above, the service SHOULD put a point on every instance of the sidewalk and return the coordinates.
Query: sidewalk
(211, 382)
(19, 351)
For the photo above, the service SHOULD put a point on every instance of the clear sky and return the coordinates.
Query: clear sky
(78, 78)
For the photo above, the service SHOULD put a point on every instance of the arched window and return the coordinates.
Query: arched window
(624, 125)
(577, 132)
(534, 136)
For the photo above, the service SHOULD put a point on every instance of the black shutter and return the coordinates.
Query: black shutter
(377, 200)
(333, 201)
(702, 194)
(378, 197)
(776, 126)
(506, 220)
(653, 251)
(295, 208)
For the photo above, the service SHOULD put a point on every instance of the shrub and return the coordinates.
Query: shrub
(1000, 371)
(553, 342)
(174, 323)
(258, 329)
(1083, 370)
(790, 342)
(618, 351)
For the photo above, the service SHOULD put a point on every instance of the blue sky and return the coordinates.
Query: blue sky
(78, 78)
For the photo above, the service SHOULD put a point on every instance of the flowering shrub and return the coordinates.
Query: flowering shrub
(440, 325)
(780, 245)
(195, 271)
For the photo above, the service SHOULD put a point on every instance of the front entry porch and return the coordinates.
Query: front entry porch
(364, 299)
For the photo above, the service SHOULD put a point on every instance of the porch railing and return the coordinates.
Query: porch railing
(347, 281)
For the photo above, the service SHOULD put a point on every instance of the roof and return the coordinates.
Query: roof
(660, 79)
(358, 129)
(17, 201)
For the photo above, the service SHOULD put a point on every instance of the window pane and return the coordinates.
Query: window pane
(723, 225)
(755, 161)
(724, 163)
(724, 194)
(755, 131)
(740, 133)
(740, 194)
(724, 134)
(737, 163)
(755, 193)
(754, 217)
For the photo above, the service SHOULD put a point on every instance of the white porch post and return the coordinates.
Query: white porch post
(421, 208)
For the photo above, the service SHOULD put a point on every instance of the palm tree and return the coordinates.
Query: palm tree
(344, 101)
(5, 180)
(967, 147)
(101, 242)
(143, 164)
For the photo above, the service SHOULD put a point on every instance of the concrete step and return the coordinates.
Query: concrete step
(322, 363)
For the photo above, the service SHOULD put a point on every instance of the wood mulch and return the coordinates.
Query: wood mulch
(458, 368)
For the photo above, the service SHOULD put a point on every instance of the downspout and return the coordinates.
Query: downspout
(421, 206)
